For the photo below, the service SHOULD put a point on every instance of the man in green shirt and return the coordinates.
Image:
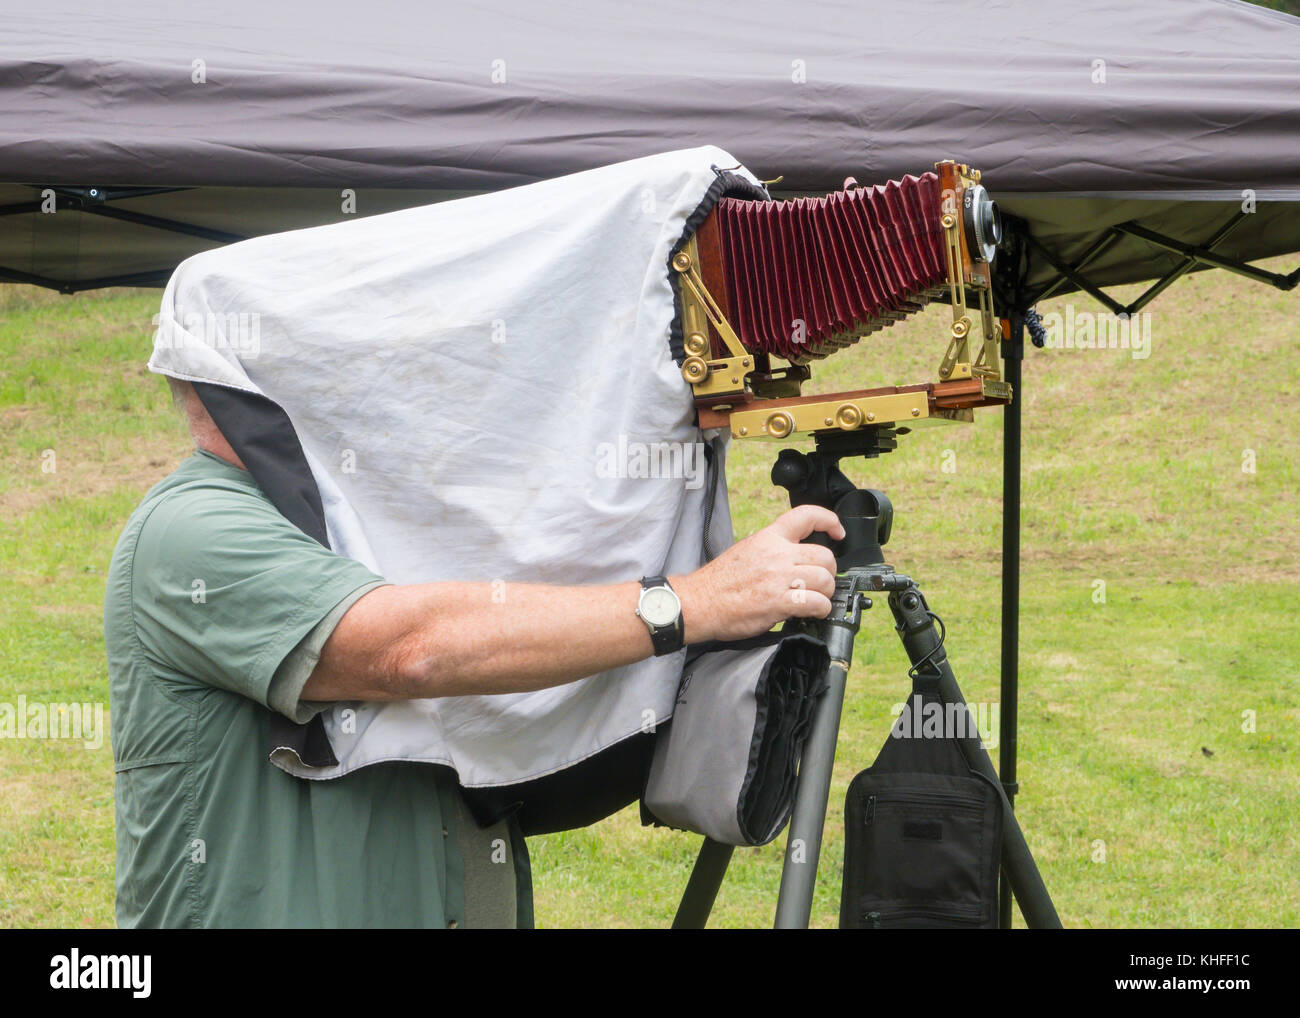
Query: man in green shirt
(219, 611)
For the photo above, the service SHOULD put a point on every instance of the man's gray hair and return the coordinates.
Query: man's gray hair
(181, 390)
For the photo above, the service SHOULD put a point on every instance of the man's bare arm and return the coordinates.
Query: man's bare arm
(453, 639)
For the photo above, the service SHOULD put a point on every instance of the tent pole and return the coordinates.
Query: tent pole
(1013, 354)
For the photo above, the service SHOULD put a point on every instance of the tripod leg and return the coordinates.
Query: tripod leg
(702, 889)
(921, 641)
(804, 842)
(817, 761)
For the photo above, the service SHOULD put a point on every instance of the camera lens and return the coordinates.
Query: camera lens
(994, 232)
(983, 224)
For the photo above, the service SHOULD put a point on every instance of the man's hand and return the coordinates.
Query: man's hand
(762, 580)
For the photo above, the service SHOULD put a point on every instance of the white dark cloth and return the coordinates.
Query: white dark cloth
(476, 385)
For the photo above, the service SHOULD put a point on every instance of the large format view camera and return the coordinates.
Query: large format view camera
(762, 282)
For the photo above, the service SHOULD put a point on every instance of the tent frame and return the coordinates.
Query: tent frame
(95, 201)
(1192, 255)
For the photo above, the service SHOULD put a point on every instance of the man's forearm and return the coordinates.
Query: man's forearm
(453, 639)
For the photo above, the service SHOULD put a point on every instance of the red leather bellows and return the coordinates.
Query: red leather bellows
(808, 276)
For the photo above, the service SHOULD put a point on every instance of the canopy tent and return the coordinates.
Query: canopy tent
(1127, 141)
(1081, 115)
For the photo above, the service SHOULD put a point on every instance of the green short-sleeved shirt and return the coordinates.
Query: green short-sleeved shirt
(215, 608)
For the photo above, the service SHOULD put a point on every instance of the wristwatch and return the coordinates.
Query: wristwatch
(660, 609)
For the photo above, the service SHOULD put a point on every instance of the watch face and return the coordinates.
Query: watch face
(659, 606)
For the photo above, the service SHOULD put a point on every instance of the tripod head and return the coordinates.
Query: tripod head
(815, 478)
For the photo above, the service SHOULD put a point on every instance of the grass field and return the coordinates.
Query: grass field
(1159, 724)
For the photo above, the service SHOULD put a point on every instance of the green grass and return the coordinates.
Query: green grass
(1133, 476)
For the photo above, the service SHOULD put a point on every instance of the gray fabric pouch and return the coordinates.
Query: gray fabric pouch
(724, 766)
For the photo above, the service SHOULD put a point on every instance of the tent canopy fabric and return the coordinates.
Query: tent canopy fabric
(257, 118)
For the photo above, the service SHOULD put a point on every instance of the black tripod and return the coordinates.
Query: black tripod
(867, 516)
